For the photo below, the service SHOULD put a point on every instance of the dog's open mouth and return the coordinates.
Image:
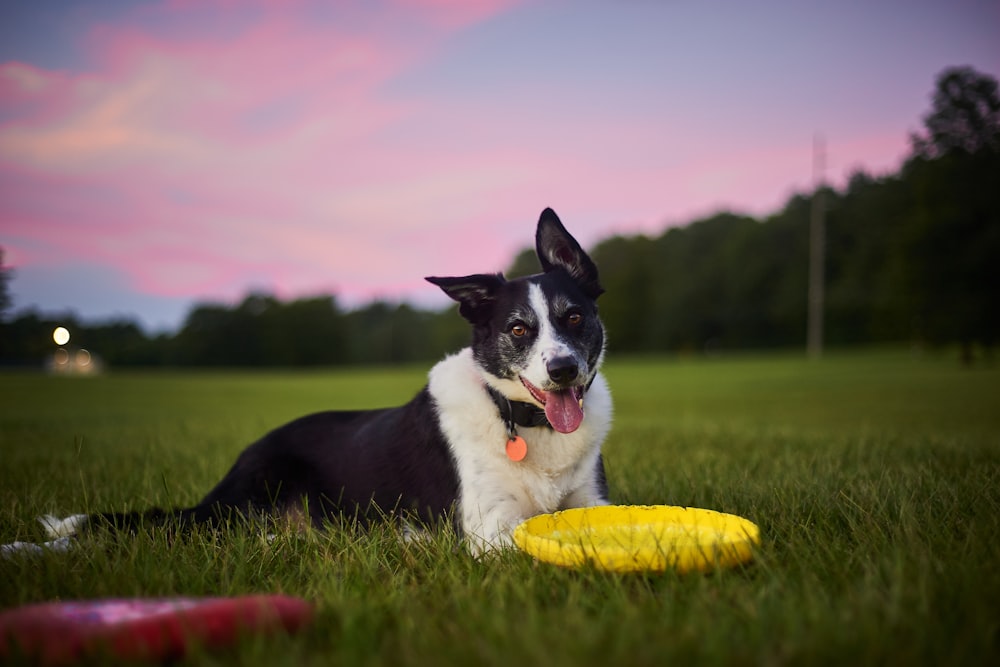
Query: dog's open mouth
(563, 407)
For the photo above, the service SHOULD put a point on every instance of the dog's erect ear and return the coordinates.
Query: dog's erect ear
(475, 294)
(557, 249)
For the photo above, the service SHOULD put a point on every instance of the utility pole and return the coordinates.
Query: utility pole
(817, 253)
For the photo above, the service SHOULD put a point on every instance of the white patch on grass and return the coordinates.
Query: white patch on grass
(19, 549)
(68, 527)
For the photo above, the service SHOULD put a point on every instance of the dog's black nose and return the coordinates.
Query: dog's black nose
(562, 370)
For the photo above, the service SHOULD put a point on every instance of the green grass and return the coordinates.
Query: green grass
(874, 477)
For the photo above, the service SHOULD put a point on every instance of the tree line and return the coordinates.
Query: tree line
(259, 331)
(911, 256)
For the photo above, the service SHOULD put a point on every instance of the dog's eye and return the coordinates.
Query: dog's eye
(518, 329)
(574, 319)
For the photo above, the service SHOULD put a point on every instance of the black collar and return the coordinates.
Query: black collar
(517, 413)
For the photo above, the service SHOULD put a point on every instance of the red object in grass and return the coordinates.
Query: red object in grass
(57, 633)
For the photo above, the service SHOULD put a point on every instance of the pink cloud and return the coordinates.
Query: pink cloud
(273, 151)
(238, 156)
(455, 13)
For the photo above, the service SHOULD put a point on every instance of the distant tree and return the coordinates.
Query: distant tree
(202, 340)
(625, 265)
(307, 332)
(118, 342)
(390, 333)
(740, 282)
(727, 281)
(525, 264)
(5, 276)
(263, 331)
(952, 240)
(865, 300)
(964, 117)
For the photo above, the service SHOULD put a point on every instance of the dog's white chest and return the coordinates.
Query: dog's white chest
(497, 493)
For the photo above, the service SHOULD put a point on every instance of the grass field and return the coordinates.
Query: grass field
(874, 477)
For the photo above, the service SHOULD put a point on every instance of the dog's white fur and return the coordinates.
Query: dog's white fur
(557, 473)
(67, 527)
(559, 469)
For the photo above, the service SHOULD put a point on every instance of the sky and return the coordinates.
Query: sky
(157, 154)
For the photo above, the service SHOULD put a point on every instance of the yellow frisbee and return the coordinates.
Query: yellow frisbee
(639, 538)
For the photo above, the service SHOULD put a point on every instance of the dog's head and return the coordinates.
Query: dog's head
(538, 338)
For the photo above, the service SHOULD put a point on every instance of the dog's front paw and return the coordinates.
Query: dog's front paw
(16, 549)
(68, 527)
(492, 542)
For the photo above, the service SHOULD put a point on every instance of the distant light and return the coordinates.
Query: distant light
(82, 358)
(61, 357)
(60, 335)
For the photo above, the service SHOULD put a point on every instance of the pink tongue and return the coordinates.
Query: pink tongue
(563, 410)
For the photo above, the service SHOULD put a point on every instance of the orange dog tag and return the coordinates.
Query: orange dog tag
(517, 448)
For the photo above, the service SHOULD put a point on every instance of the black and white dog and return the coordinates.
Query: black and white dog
(505, 429)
